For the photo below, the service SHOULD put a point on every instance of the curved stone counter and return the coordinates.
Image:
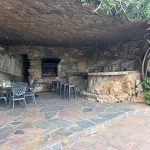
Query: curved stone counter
(114, 86)
(116, 73)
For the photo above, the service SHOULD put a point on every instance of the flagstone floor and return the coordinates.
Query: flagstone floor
(54, 120)
(132, 133)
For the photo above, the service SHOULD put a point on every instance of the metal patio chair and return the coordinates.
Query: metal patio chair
(30, 92)
(18, 93)
(2, 96)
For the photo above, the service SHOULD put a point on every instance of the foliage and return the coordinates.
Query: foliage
(146, 84)
(129, 9)
(146, 87)
(148, 35)
(147, 97)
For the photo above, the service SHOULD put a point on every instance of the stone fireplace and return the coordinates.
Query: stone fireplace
(49, 67)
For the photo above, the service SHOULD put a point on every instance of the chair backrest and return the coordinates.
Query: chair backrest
(34, 83)
(18, 88)
(1, 93)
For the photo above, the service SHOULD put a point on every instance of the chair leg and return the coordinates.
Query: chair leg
(9, 103)
(60, 90)
(6, 102)
(25, 105)
(69, 93)
(34, 100)
(13, 104)
(64, 91)
(74, 92)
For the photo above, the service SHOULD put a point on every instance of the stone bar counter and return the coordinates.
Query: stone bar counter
(114, 86)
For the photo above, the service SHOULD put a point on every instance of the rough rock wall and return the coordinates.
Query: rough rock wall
(62, 23)
(10, 67)
(116, 88)
(123, 56)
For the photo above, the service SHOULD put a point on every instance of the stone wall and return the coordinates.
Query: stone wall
(10, 67)
(123, 56)
(115, 86)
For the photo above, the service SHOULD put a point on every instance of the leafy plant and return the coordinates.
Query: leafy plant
(146, 87)
(129, 9)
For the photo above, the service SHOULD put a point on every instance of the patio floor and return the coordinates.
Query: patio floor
(54, 122)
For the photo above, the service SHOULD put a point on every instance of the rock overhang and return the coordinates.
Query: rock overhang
(62, 23)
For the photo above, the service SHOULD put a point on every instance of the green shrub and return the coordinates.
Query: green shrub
(146, 87)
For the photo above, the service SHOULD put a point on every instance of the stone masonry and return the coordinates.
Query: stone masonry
(115, 87)
(10, 67)
(75, 63)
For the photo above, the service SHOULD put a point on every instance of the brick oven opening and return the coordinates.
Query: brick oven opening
(49, 67)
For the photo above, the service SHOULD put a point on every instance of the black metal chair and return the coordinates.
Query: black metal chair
(30, 92)
(3, 96)
(18, 93)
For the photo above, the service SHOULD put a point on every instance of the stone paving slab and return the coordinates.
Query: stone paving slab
(55, 123)
(130, 134)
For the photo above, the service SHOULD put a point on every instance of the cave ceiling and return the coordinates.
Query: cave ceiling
(61, 23)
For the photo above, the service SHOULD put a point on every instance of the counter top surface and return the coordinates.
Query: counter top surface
(116, 73)
(77, 73)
